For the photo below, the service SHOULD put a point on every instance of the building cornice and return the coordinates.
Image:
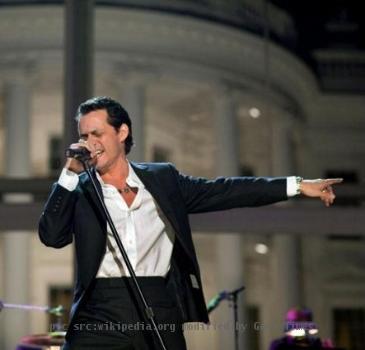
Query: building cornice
(164, 42)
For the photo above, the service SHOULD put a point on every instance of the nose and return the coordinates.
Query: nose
(92, 141)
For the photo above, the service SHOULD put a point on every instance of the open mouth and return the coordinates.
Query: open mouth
(98, 152)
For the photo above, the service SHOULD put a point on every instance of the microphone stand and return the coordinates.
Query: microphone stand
(147, 309)
(57, 311)
(233, 298)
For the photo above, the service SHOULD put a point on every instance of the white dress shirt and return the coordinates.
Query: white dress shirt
(144, 230)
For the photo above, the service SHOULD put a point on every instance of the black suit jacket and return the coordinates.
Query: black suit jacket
(76, 215)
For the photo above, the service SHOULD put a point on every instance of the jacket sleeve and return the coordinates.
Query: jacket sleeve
(56, 222)
(203, 195)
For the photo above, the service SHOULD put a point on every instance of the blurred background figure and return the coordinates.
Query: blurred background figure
(300, 332)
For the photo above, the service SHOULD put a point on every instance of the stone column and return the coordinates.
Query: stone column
(133, 99)
(230, 257)
(286, 247)
(15, 323)
(78, 62)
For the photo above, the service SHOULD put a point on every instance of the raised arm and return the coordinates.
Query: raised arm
(202, 195)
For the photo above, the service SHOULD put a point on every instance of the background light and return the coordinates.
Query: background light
(297, 333)
(261, 248)
(254, 112)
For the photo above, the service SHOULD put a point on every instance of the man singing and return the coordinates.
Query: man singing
(149, 204)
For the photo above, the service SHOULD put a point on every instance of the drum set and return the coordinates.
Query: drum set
(49, 341)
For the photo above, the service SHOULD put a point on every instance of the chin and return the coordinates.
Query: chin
(102, 167)
(99, 166)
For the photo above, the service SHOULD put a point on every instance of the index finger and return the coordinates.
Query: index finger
(333, 181)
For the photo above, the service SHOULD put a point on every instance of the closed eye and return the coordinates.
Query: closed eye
(96, 133)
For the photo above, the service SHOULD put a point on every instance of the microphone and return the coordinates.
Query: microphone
(81, 153)
(214, 302)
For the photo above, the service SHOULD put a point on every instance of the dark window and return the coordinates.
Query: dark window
(160, 154)
(345, 238)
(253, 327)
(349, 328)
(246, 170)
(54, 158)
(349, 178)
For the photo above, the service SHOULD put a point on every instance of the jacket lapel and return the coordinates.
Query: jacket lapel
(89, 192)
(154, 186)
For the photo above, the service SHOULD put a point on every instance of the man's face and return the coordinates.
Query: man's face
(102, 137)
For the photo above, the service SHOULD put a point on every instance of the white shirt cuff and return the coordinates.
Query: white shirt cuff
(68, 179)
(291, 186)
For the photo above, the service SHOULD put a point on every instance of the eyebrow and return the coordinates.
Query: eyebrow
(93, 132)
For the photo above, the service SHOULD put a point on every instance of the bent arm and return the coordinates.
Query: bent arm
(56, 222)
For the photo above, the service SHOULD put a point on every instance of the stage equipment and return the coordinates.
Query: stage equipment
(232, 297)
(50, 341)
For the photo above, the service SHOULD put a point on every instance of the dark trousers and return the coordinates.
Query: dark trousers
(112, 318)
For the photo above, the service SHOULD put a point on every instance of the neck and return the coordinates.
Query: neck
(119, 170)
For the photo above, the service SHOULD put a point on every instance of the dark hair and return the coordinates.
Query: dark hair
(117, 115)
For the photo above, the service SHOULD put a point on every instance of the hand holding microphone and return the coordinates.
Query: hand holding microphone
(78, 152)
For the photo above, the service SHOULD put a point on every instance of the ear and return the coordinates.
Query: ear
(123, 132)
